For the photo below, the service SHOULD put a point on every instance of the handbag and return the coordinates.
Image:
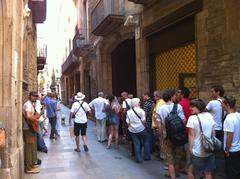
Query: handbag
(2, 138)
(210, 144)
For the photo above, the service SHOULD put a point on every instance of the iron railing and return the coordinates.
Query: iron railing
(80, 39)
(103, 9)
(70, 62)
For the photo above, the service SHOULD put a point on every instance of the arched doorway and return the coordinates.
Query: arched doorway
(124, 68)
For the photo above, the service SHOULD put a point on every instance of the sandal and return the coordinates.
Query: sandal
(77, 150)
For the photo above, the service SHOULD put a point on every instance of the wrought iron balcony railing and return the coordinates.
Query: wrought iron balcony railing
(71, 62)
(41, 54)
(107, 16)
(81, 44)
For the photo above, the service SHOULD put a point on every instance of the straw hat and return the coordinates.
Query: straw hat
(79, 96)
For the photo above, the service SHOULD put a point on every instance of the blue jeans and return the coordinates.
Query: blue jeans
(53, 122)
(137, 138)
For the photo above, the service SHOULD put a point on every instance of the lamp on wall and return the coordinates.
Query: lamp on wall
(131, 20)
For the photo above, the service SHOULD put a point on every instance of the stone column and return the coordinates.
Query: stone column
(142, 66)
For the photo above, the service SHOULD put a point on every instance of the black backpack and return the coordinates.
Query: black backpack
(175, 128)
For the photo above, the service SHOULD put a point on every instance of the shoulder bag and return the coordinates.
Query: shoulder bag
(74, 114)
(210, 144)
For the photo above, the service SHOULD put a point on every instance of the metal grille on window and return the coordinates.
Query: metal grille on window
(175, 68)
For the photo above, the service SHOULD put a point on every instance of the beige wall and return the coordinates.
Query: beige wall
(218, 46)
(217, 39)
(14, 34)
(11, 36)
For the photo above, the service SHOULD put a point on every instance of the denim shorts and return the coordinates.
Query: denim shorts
(203, 164)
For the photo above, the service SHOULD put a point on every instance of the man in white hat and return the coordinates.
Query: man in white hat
(80, 109)
(99, 104)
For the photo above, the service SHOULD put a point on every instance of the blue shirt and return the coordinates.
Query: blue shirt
(51, 107)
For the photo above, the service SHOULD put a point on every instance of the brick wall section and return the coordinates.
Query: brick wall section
(218, 47)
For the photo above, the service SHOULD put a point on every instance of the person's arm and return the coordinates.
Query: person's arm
(191, 132)
(208, 107)
(31, 117)
(70, 118)
(181, 113)
(159, 125)
(190, 139)
(228, 143)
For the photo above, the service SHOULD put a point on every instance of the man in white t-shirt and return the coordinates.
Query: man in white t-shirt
(215, 108)
(231, 129)
(29, 135)
(98, 105)
(172, 152)
(80, 109)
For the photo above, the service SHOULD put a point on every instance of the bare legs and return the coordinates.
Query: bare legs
(84, 138)
(77, 143)
(113, 132)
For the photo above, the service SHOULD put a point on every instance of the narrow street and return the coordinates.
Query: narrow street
(61, 162)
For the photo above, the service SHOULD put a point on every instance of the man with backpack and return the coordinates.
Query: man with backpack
(170, 123)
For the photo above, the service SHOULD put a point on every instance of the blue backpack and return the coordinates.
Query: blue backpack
(175, 128)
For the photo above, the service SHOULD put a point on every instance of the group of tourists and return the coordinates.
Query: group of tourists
(186, 133)
(180, 129)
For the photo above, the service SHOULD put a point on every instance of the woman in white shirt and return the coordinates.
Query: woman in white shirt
(136, 125)
(201, 161)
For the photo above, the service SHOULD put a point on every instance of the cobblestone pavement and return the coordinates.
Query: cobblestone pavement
(62, 162)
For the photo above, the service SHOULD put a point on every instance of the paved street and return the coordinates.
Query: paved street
(62, 162)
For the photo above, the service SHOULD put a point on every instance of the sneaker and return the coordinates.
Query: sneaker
(33, 171)
(85, 148)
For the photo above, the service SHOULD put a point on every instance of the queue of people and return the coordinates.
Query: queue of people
(171, 125)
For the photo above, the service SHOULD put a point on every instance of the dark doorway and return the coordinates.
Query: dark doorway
(124, 68)
(77, 82)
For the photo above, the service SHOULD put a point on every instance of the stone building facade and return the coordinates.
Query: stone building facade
(18, 75)
(192, 43)
(212, 26)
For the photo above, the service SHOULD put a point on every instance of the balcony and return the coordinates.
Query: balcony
(81, 45)
(38, 10)
(107, 16)
(144, 2)
(71, 62)
(41, 55)
(40, 66)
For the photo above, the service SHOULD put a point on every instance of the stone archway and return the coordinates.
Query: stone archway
(104, 50)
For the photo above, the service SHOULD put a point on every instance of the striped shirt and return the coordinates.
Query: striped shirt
(148, 106)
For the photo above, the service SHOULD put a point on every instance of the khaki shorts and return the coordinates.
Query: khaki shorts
(173, 153)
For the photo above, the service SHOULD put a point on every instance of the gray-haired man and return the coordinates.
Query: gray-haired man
(98, 104)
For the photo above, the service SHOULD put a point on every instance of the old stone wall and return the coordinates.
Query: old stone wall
(12, 40)
(11, 17)
(218, 47)
(29, 58)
